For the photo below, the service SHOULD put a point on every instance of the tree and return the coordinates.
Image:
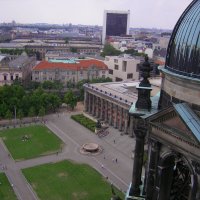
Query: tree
(109, 50)
(70, 99)
(8, 115)
(73, 49)
(20, 115)
(41, 112)
(31, 112)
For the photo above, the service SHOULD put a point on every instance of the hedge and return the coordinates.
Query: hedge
(88, 123)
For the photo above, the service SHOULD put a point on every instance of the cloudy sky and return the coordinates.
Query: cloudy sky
(144, 13)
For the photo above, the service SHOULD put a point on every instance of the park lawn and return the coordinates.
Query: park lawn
(66, 180)
(41, 141)
(6, 191)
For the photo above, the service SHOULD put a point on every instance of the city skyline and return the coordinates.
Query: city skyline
(152, 14)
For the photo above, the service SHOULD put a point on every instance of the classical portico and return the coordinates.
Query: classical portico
(107, 107)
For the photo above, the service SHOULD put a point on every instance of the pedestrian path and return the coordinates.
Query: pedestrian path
(114, 163)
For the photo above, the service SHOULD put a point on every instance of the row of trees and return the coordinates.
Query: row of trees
(15, 101)
(109, 50)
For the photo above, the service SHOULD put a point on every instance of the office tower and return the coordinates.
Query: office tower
(115, 23)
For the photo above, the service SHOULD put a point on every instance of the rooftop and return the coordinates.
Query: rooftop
(81, 64)
(125, 91)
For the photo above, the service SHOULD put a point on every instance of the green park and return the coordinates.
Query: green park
(30, 142)
(60, 180)
(6, 190)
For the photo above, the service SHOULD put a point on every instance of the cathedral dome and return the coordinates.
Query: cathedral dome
(183, 54)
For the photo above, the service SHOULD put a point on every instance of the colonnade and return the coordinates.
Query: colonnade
(109, 112)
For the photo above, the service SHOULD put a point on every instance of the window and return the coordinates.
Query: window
(5, 77)
(110, 71)
(124, 64)
(103, 72)
(11, 77)
(73, 72)
(103, 76)
(17, 76)
(115, 61)
(116, 67)
(130, 75)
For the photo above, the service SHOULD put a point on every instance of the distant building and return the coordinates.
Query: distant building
(15, 67)
(69, 70)
(122, 68)
(115, 23)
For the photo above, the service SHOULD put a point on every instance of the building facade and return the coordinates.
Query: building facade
(69, 70)
(122, 68)
(173, 166)
(115, 23)
(16, 68)
(110, 103)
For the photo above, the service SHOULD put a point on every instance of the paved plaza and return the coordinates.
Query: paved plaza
(115, 162)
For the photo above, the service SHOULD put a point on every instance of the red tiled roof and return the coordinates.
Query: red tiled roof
(82, 64)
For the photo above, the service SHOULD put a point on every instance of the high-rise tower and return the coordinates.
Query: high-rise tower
(115, 23)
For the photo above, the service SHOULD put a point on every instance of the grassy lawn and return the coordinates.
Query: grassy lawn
(30, 142)
(88, 123)
(6, 191)
(68, 181)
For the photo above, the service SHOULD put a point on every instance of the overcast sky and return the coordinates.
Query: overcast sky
(144, 13)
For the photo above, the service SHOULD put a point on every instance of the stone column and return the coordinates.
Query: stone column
(97, 107)
(106, 111)
(131, 126)
(101, 113)
(90, 103)
(116, 115)
(110, 116)
(164, 178)
(93, 105)
(125, 121)
(153, 156)
(140, 133)
(120, 119)
(86, 101)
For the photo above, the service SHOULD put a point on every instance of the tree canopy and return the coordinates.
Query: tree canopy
(70, 99)
(31, 103)
(109, 50)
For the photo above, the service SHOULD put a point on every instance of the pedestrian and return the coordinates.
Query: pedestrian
(104, 157)
(113, 160)
(102, 166)
(57, 153)
(114, 141)
(116, 160)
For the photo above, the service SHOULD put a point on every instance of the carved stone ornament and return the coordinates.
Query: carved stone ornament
(196, 166)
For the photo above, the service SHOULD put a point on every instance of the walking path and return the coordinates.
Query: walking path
(115, 162)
